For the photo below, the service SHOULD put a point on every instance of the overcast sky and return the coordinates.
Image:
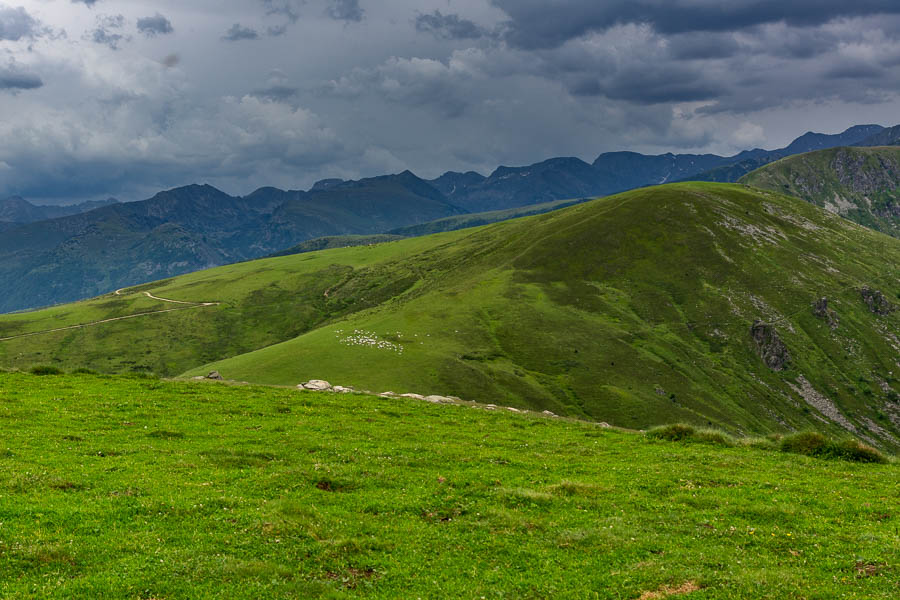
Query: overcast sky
(126, 97)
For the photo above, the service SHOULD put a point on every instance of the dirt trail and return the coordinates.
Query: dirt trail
(188, 306)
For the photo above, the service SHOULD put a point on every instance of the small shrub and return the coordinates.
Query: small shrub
(714, 436)
(856, 451)
(46, 370)
(84, 371)
(808, 443)
(672, 433)
(766, 443)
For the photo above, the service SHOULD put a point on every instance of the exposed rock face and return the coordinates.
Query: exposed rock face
(317, 385)
(876, 301)
(821, 310)
(769, 346)
(215, 375)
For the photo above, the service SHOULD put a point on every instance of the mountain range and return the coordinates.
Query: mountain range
(714, 304)
(81, 254)
(15, 210)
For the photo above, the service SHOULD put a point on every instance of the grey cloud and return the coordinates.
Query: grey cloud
(345, 10)
(155, 25)
(171, 61)
(290, 9)
(85, 2)
(543, 24)
(14, 80)
(16, 24)
(854, 69)
(105, 32)
(703, 46)
(277, 93)
(451, 27)
(238, 32)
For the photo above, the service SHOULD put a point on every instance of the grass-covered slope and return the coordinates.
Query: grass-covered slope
(130, 488)
(861, 184)
(634, 309)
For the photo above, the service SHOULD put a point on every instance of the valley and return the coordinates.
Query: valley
(546, 312)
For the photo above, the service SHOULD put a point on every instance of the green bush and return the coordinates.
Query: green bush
(856, 451)
(715, 437)
(808, 443)
(84, 371)
(672, 433)
(46, 370)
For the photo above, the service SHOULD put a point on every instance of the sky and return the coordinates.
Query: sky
(124, 98)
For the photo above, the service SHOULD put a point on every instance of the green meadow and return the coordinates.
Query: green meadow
(132, 487)
(634, 309)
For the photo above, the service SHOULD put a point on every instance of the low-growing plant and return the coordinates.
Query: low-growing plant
(84, 371)
(46, 370)
(673, 433)
(856, 451)
(715, 437)
(808, 443)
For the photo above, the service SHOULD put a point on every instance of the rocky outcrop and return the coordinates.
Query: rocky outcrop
(876, 301)
(821, 310)
(769, 346)
(319, 385)
(215, 375)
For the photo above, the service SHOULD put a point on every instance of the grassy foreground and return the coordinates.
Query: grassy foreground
(136, 488)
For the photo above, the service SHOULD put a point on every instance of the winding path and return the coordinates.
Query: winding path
(188, 306)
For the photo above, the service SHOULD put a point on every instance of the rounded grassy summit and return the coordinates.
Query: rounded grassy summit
(699, 303)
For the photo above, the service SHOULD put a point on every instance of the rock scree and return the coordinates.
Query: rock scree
(822, 311)
(769, 346)
(876, 301)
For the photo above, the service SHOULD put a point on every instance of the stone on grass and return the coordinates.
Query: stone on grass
(318, 385)
(215, 375)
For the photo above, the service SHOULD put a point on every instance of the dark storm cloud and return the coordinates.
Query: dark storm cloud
(344, 10)
(450, 27)
(545, 24)
(16, 24)
(14, 80)
(238, 32)
(703, 46)
(155, 25)
(106, 31)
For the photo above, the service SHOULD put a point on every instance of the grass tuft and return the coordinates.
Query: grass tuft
(807, 443)
(46, 370)
(673, 433)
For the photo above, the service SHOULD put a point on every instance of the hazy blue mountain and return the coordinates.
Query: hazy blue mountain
(194, 227)
(808, 142)
(16, 209)
(885, 137)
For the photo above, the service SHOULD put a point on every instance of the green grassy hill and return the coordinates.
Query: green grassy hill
(634, 309)
(861, 184)
(136, 488)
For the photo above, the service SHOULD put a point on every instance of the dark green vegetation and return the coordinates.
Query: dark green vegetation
(861, 184)
(808, 443)
(634, 309)
(438, 226)
(338, 241)
(135, 488)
